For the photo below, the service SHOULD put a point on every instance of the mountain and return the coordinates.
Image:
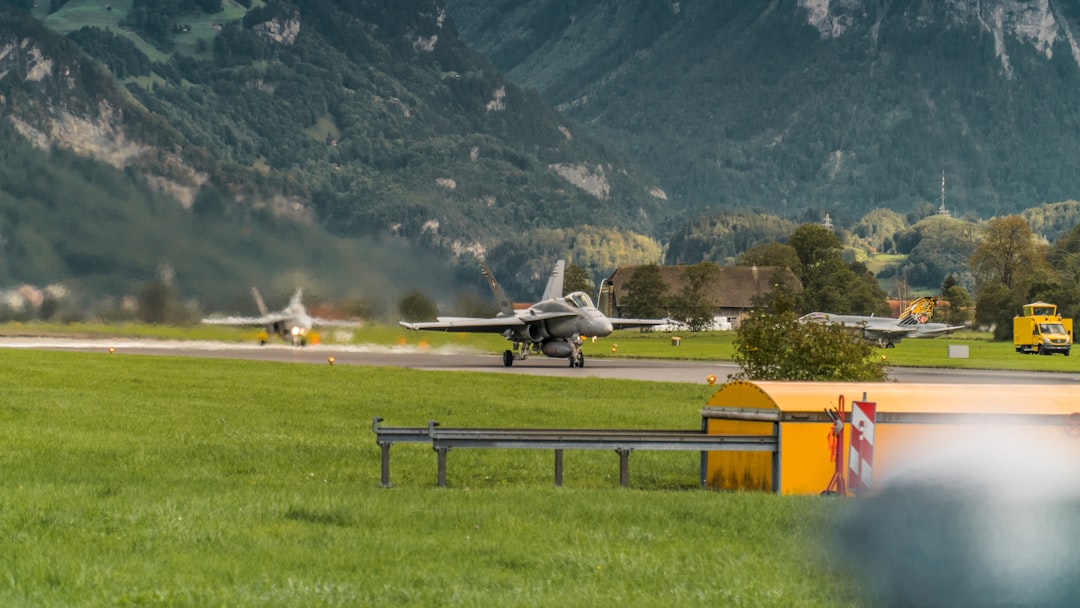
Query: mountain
(226, 142)
(807, 107)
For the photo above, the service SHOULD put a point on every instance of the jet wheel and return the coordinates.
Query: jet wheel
(581, 360)
(508, 358)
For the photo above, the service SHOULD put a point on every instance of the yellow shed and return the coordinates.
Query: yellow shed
(910, 419)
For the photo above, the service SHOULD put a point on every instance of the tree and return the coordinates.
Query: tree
(1005, 264)
(815, 245)
(995, 307)
(875, 229)
(1064, 258)
(416, 306)
(155, 301)
(692, 305)
(577, 280)
(772, 344)
(1007, 252)
(960, 302)
(646, 293)
(864, 294)
(770, 254)
(830, 285)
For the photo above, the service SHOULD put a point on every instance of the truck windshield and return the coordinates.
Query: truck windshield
(1051, 328)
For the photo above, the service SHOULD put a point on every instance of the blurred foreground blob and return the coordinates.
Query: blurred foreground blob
(993, 521)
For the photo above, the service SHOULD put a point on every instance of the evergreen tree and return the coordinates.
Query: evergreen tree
(577, 279)
(960, 303)
(646, 294)
(692, 305)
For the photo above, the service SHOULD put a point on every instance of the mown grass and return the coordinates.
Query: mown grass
(160, 480)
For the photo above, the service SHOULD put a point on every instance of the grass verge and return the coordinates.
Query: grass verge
(160, 480)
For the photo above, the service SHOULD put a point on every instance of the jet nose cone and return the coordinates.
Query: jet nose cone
(604, 326)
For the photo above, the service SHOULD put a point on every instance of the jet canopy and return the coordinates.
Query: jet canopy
(579, 299)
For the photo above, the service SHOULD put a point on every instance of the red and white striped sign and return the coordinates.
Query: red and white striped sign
(861, 454)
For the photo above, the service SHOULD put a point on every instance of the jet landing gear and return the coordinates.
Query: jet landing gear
(577, 358)
(520, 353)
(522, 349)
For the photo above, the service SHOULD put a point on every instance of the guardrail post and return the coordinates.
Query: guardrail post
(558, 468)
(385, 445)
(776, 459)
(442, 465)
(624, 466)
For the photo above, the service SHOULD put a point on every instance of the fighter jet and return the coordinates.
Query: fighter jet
(555, 326)
(292, 323)
(887, 332)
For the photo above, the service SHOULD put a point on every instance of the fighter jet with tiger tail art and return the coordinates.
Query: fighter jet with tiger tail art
(887, 332)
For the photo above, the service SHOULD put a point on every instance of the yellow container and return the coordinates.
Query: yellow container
(910, 419)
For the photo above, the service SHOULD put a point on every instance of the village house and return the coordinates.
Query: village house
(732, 293)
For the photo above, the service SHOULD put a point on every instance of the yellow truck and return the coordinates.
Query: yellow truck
(1042, 331)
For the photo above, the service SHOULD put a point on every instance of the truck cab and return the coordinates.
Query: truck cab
(1042, 331)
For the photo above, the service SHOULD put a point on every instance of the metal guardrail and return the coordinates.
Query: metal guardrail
(388, 436)
(622, 441)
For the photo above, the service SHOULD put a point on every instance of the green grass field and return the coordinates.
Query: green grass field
(190, 482)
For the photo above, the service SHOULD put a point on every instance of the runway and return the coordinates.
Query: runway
(457, 359)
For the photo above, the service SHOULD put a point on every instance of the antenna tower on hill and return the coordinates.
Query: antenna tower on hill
(942, 210)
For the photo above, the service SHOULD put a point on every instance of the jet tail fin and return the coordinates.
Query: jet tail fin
(554, 287)
(297, 299)
(505, 308)
(259, 301)
(918, 312)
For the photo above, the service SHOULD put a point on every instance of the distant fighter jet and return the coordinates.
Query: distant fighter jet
(887, 332)
(292, 323)
(556, 326)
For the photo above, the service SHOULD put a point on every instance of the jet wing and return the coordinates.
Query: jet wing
(891, 332)
(926, 331)
(619, 323)
(466, 324)
(244, 321)
(315, 321)
(494, 325)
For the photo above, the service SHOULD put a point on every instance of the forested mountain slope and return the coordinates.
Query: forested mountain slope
(802, 107)
(364, 120)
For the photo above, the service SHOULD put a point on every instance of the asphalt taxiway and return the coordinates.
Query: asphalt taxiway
(457, 359)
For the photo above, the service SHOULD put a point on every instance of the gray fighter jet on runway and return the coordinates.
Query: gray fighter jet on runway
(555, 326)
(292, 324)
(885, 331)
